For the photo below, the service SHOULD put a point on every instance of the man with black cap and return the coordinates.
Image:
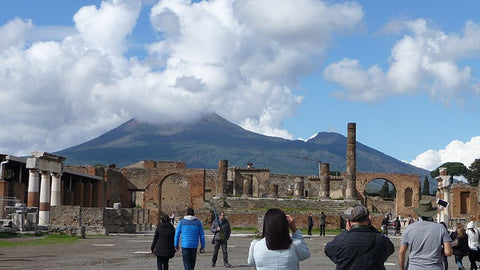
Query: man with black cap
(361, 246)
(429, 241)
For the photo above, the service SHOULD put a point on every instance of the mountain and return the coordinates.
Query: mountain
(202, 143)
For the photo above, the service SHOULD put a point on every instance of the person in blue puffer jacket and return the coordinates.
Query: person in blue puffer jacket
(190, 229)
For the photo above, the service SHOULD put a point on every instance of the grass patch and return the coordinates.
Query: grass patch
(21, 240)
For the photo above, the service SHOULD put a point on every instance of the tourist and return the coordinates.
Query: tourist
(385, 223)
(162, 245)
(190, 229)
(361, 246)
(321, 221)
(276, 250)
(445, 258)
(173, 218)
(459, 245)
(398, 226)
(310, 223)
(473, 245)
(221, 233)
(425, 239)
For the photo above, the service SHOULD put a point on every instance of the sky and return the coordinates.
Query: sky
(406, 72)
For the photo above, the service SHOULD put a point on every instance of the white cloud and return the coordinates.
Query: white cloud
(426, 59)
(455, 151)
(240, 59)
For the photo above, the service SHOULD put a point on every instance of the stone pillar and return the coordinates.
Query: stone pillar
(222, 177)
(88, 194)
(56, 190)
(350, 175)
(444, 190)
(79, 193)
(298, 187)
(44, 209)
(248, 186)
(98, 194)
(325, 181)
(33, 188)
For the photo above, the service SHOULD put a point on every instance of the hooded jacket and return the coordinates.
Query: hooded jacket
(191, 231)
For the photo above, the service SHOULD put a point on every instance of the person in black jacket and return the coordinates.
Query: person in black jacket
(459, 245)
(310, 224)
(361, 246)
(221, 230)
(162, 245)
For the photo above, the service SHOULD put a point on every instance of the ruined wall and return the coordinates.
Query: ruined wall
(464, 202)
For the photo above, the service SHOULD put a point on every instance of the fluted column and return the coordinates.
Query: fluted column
(44, 209)
(56, 190)
(33, 188)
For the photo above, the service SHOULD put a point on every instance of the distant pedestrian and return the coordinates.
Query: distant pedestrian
(398, 226)
(221, 230)
(276, 249)
(385, 223)
(459, 245)
(473, 244)
(190, 230)
(162, 245)
(321, 221)
(310, 223)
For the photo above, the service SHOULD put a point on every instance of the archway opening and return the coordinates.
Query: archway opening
(380, 196)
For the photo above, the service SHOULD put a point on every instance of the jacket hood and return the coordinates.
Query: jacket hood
(190, 217)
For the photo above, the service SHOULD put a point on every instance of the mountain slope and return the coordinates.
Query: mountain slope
(201, 144)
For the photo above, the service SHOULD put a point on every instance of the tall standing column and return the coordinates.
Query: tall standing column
(222, 177)
(33, 188)
(44, 209)
(298, 187)
(350, 175)
(56, 190)
(325, 181)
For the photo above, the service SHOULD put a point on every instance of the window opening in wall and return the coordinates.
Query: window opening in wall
(408, 197)
(464, 202)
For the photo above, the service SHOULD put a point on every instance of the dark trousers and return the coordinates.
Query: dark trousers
(322, 230)
(162, 263)
(310, 226)
(473, 256)
(217, 246)
(189, 256)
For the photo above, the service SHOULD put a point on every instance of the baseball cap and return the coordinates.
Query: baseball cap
(356, 213)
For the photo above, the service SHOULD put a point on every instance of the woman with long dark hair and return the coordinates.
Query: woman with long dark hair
(460, 248)
(162, 245)
(276, 249)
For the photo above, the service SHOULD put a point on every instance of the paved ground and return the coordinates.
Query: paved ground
(132, 252)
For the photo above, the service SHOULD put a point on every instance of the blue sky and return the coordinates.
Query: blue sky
(406, 72)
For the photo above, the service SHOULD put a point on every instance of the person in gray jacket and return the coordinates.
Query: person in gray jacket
(221, 230)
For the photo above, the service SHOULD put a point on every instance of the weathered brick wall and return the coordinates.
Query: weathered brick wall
(466, 197)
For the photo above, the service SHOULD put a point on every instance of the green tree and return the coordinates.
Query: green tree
(385, 191)
(473, 175)
(453, 168)
(426, 186)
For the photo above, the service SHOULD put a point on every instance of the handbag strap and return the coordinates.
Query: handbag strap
(360, 252)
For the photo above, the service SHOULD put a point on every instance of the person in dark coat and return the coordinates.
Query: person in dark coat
(460, 249)
(310, 224)
(221, 230)
(361, 246)
(398, 226)
(162, 245)
(321, 220)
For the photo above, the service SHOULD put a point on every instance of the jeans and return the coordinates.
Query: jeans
(223, 244)
(458, 260)
(162, 263)
(189, 256)
(322, 230)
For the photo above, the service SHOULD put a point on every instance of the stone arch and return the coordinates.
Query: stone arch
(401, 182)
(174, 193)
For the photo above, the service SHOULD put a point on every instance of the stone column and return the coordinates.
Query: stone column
(298, 187)
(274, 191)
(88, 194)
(325, 181)
(44, 209)
(222, 177)
(248, 186)
(56, 190)
(350, 175)
(33, 188)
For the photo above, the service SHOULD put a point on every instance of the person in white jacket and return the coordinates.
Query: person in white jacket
(473, 244)
(277, 250)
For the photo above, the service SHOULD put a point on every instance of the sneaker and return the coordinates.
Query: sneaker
(227, 265)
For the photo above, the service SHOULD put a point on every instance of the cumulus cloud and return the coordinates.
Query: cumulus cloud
(240, 59)
(455, 151)
(424, 59)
